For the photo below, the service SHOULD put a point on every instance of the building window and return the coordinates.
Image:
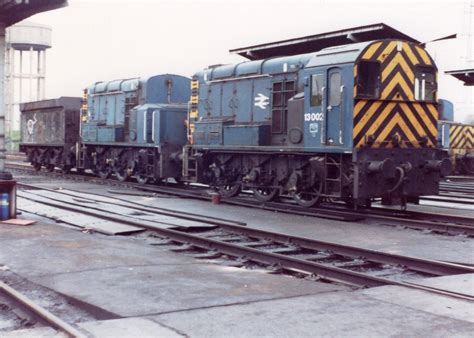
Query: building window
(281, 93)
(368, 79)
(317, 83)
(425, 84)
(335, 89)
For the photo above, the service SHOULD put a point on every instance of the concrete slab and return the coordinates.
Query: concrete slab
(352, 314)
(139, 291)
(457, 283)
(48, 249)
(128, 327)
(127, 277)
(70, 217)
(425, 301)
(96, 224)
(100, 208)
(42, 332)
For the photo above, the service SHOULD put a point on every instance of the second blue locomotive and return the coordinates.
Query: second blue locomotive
(129, 128)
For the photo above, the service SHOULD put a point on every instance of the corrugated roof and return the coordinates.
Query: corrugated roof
(314, 43)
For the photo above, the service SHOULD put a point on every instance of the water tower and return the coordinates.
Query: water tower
(26, 43)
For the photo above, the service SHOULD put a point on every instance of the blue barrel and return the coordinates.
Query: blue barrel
(4, 206)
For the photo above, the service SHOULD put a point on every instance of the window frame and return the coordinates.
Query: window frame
(378, 84)
(334, 89)
(419, 85)
(320, 93)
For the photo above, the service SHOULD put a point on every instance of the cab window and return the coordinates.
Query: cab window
(368, 79)
(425, 84)
(316, 90)
(335, 89)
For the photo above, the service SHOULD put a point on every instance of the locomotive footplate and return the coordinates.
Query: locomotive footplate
(398, 174)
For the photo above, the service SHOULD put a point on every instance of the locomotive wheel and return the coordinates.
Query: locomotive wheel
(121, 174)
(37, 166)
(66, 169)
(309, 196)
(469, 166)
(104, 173)
(229, 190)
(142, 179)
(265, 194)
(179, 181)
(50, 168)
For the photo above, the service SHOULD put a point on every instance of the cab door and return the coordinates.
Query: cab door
(314, 115)
(332, 108)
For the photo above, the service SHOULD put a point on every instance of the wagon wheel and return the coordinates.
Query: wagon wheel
(229, 190)
(50, 168)
(309, 196)
(265, 194)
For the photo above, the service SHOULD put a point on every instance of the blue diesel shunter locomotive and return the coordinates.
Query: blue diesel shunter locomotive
(350, 123)
(134, 127)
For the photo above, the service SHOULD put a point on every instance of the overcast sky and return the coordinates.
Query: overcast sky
(109, 39)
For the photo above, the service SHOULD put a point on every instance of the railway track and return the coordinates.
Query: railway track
(450, 198)
(435, 222)
(330, 261)
(461, 189)
(35, 311)
(462, 185)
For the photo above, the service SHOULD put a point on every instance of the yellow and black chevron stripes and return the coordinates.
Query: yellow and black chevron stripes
(193, 113)
(461, 137)
(398, 60)
(380, 121)
(394, 116)
(84, 105)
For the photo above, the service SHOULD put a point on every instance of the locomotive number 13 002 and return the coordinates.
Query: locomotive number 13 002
(313, 116)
